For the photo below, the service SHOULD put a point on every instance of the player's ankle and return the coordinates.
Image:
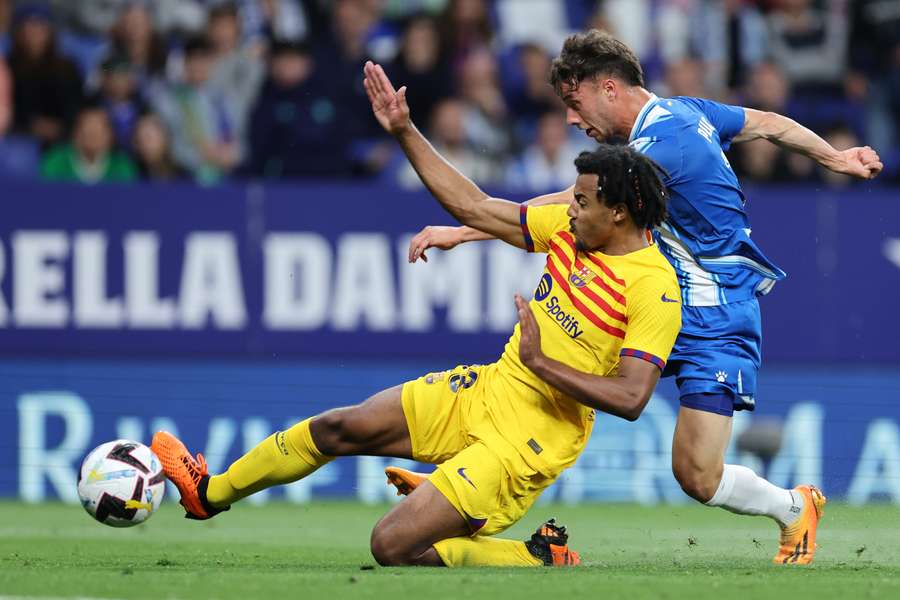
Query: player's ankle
(210, 509)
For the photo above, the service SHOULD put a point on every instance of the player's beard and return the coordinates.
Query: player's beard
(580, 246)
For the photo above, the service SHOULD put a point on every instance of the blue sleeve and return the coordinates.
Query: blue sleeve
(727, 119)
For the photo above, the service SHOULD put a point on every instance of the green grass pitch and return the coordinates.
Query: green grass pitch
(321, 551)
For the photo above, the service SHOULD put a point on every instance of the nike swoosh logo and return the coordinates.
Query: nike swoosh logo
(462, 473)
(664, 299)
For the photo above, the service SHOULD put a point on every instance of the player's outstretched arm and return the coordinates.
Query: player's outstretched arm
(447, 238)
(456, 192)
(624, 395)
(862, 162)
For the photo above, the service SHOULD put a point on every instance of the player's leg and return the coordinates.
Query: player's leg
(698, 462)
(698, 450)
(489, 491)
(375, 427)
(716, 371)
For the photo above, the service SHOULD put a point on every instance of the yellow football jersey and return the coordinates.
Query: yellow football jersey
(591, 309)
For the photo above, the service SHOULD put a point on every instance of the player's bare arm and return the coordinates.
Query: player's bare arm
(624, 395)
(862, 162)
(447, 238)
(456, 192)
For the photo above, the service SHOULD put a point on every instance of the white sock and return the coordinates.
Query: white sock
(744, 492)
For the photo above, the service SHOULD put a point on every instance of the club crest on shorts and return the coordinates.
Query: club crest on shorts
(581, 277)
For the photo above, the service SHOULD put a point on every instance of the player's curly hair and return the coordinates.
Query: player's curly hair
(626, 176)
(586, 55)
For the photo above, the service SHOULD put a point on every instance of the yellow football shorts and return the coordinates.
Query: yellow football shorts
(479, 471)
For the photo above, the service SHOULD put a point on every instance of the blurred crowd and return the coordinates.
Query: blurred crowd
(206, 90)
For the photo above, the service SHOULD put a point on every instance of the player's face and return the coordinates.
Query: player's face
(591, 221)
(590, 107)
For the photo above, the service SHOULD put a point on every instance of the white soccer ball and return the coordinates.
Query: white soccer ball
(121, 483)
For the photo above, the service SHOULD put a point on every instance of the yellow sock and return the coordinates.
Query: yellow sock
(482, 551)
(283, 457)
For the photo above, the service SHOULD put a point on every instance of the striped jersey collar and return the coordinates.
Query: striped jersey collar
(639, 121)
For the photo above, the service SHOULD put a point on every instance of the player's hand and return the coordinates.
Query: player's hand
(863, 163)
(434, 236)
(389, 106)
(529, 335)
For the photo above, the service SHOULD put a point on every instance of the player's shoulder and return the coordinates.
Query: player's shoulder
(650, 272)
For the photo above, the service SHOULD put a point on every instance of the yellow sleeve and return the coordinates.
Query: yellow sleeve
(539, 223)
(654, 318)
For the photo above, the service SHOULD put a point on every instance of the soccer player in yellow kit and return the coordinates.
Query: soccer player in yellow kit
(595, 336)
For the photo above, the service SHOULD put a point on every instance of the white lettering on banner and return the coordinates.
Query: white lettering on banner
(3, 309)
(211, 282)
(92, 308)
(36, 460)
(451, 279)
(146, 310)
(364, 283)
(878, 469)
(509, 270)
(129, 428)
(891, 250)
(800, 457)
(297, 282)
(38, 278)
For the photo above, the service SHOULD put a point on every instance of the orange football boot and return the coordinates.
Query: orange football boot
(189, 475)
(550, 545)
(798, 540)
(404, 480)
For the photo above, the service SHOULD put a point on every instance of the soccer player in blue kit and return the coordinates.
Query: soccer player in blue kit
(721, 271)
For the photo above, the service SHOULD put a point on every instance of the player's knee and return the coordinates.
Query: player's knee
(387, 552)
(331, 432)
(698, 483)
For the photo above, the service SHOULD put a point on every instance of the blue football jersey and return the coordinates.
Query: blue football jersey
(706, 235)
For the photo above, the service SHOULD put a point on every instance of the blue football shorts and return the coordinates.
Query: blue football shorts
(716, 357)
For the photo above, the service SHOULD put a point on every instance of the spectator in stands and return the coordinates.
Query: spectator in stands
(6, 99)
(448, 135)
(421, 67)
(875, 72)
(119, 96)
(292, 124)
(90, 157)
(658, 31)
(273, 20)
(6, 12)
(486, 119)
(810, 46)
(152, 151)
(768, 89)
(46, 85)
(685, 77)
(181, 18)
(95, 17)
(730, 37)
(549, 163)
(544, 22)
(202, 120)
(133, 36)
(339, 55)
(466, 27)
(238, 68)
(533, 95)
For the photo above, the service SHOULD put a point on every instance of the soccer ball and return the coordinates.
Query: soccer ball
(121, 483)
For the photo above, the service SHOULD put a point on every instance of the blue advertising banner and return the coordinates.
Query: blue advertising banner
(319, 270)
(838, 429)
